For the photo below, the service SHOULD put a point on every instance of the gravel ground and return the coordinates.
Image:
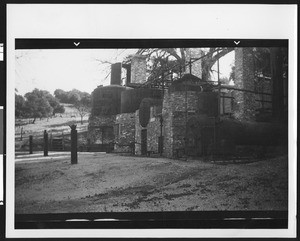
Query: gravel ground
(108, 182)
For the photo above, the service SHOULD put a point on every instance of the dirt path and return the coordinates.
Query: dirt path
(108, 182)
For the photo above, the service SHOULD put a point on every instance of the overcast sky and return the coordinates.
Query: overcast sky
(71, 68)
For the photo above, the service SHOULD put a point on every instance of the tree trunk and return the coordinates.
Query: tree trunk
(34, 120)
(81, 120)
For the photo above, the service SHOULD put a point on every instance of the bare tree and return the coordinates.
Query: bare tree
(161, 59)
(82, 110)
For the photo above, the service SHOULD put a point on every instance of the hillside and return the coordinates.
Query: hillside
(56, 126)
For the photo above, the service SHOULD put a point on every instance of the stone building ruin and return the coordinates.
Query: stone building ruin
(188, 116)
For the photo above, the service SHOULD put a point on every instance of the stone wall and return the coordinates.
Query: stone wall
(100, 129)
(179, 130)
(153, 133)
(167, 125)
(175, 116)
(138, 69)
(124, 130)
(138, 129)
(244, 104)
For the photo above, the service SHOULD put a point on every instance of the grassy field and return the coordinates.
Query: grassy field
(112, 183)
(56, 126)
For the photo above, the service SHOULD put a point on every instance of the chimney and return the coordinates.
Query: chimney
(115, 76)
(138, 69)
(128, 72)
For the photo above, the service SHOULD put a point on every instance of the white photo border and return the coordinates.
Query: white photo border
(189, 21)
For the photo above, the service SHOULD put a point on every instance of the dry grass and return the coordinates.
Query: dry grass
(55, 126)
(107, 182)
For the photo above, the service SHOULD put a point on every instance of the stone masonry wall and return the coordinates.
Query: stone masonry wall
(153, 133)
(174, 115)
(138, 129)
(124, 132)
(167, 125)
(244, 104)
(94, 129)
(138, 69)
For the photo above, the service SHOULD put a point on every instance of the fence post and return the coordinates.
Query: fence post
(21, 133)
(30, 144)
(45, 143)
(73, 144)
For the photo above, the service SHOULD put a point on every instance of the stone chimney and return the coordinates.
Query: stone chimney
(192, 54)
(138, 69)
(115, 76)
(244, 102)
(128, 72)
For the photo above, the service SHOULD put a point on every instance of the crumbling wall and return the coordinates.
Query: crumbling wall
(153, 132)
(124, 132)
(167, 125)
(95, 129)
(138, 129)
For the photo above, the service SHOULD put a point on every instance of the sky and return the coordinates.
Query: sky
(225, 63)
(76, 68)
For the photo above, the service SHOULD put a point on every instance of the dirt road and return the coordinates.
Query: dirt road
(108, 182)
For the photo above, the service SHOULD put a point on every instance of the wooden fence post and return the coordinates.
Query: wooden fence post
(21, 133)
(45, 143)
(73, 144)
